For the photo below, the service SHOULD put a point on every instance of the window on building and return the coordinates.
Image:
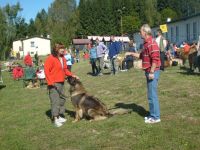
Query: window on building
(32, 44)
(166, 35)
(188, 31)
(172, 34)
(177, 34)
(194, 31)
(154, 34)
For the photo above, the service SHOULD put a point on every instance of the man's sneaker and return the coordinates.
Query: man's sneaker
(62, 120)
(57, 123)
(152, 120)
(146, 118)
(100, 74)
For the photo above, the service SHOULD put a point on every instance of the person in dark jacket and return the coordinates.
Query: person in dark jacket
(114, 50)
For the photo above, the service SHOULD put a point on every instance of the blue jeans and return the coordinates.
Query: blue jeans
(152, 86)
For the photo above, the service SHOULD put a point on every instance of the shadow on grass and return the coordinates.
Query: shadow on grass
(2, 86)
(134, 107)
(105, 73)
(70, 113)
(91, 74)
(188, 71)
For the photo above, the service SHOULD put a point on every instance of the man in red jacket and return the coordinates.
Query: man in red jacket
(55, 71)
(150, 56)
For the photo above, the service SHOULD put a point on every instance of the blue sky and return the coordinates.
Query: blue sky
(30, 7)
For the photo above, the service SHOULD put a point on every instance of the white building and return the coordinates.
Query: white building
(185, 29)
(34, 44)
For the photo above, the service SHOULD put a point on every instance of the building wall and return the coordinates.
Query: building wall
(179, 31)
(33, 45)
(17, 47)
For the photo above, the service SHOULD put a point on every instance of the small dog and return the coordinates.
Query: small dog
(85, 104)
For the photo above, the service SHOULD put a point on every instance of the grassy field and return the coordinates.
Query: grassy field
(25, 123)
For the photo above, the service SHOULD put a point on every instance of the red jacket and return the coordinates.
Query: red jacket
(18, 73)
(54, 71)
(186, 48)
(28, 60)
(150, 54)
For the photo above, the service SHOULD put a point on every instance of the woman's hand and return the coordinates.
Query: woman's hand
(74, 76)
(128, 53)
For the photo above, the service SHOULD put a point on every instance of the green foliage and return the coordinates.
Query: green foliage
(41, 23)
(168, 13)
(9, 21)
(64, 21)
(59, 21)
(131, 24)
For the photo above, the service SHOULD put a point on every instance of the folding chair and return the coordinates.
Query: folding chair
(29, 76)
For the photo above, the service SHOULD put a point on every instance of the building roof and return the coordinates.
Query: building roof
(107, 38)
(23, 39)
(81, 41)
(184, 18)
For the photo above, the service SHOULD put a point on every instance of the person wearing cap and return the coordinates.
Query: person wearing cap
(56, 71)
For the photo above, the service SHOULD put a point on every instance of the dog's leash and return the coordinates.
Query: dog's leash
(60, 93)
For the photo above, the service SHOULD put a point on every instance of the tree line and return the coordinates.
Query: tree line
(64, 20)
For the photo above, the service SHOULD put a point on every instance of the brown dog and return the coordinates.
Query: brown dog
(86, 105)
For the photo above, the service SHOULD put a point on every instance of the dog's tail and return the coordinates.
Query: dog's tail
(118, 111)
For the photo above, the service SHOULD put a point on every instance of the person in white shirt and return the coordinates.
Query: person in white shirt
(162, 44)
(68, 58)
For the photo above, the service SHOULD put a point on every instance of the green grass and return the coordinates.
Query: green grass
(25, 124)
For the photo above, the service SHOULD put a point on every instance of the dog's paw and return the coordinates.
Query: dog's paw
(91, 120)
(74, 121)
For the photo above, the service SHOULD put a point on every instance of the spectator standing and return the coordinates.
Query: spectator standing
(68, 58)
(114, 50)
(93, 59)
(101, 51)
(28, 60)
(162, 43)
(77, 55)
(36, 58)
(150, 56)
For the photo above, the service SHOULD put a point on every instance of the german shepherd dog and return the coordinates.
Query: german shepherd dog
(86, 105)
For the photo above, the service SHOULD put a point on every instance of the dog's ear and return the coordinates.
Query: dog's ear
(71, 80)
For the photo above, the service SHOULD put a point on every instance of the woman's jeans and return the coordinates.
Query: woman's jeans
(152, 86)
